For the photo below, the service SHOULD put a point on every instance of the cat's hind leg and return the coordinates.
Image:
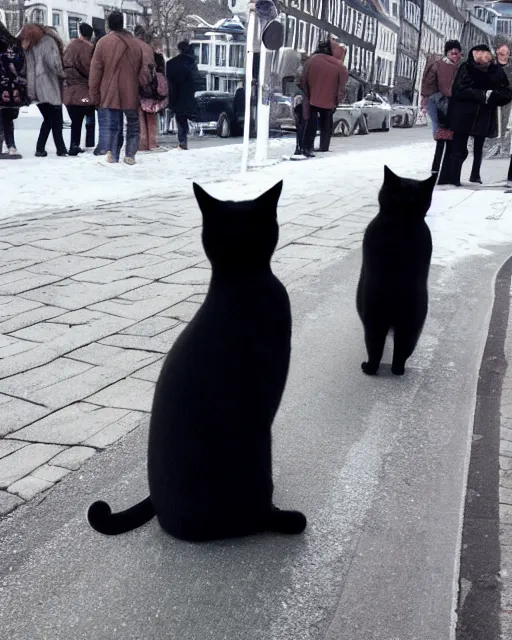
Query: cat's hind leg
(405, 340)
(375, 339)
(281, 521)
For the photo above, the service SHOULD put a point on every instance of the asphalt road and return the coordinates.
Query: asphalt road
(377, 464)
(27, 128)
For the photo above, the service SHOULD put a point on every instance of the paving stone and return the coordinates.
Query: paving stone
(28, 318)
(173, 292)
(8, 502)
(32, 231)
(506, 534)
(118, 269)
(10, 346)
(184, 311)
(505, 495)
(28, 487)
(73, 458)
(60, 369)
(20, 463)
(28, 255)
(505, 448)
(505, 463)
(125, 361)
(506, 478)
(11, 306)
(166, 267)
(17, 413)
(69, 265)
(71, 294)
(79, 317)
(151, 326)
(130, 393)
(33, 282)
(127, 246)
(506, 433)
(42, 331)
(13, 276)
(9, 446)
(177, 244)
(198, 298)
(190, 276)
(157, 344)
(150, 372)
(309, 252)
(114, 432)
(76, 242)
(60, 394)
(50, 473)
(505, 513)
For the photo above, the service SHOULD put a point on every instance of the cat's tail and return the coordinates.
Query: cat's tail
(102, 519)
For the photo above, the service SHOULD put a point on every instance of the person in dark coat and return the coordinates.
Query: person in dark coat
(13, 86)
(181, 74)
(480, 87)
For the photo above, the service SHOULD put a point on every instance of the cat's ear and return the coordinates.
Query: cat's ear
(271, 197)
(390, 178)
(205, 201)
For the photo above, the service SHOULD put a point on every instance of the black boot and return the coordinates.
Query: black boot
(89, 133)
(74, 150)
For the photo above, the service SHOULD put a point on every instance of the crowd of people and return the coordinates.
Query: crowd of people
(120, 76)
(463, 100)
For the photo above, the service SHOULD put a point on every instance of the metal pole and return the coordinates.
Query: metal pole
(49, 13)
(263, 115)
(249, 58)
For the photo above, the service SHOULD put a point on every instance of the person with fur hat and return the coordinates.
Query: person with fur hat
(480, 87)
(43, 53)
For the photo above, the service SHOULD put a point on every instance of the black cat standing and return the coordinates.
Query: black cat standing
(392, 293)
(209, 453)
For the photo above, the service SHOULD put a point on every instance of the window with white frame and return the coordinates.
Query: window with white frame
(291, 27)
(220, 55)
(39, 16)
(393, 7)
(236, 55)
(56, 20)
(205, 53)
(359, 20)
(73, 24)
(301, 45)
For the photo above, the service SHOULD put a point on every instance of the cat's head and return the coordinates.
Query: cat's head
(239, 234)
(404, 196)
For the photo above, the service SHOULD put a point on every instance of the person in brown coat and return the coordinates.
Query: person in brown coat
(75, 94)
(119, 67)
(323, 81)
(148, 121)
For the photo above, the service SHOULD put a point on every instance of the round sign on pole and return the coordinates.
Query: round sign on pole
(273, 35)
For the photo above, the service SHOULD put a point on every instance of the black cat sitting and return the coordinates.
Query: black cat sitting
(392, 291)
(209, 454)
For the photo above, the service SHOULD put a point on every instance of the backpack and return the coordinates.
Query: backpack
(158, 103)
(156, 88)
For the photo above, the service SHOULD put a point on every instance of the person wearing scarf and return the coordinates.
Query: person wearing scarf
(480, 87)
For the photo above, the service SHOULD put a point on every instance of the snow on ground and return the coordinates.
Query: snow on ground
(463, 221)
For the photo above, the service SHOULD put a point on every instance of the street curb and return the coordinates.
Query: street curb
(481, 562)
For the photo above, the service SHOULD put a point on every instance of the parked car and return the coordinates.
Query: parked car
(404, 116)
(347, 120)
(377, 111)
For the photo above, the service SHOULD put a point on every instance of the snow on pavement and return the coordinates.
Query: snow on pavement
(464, 222)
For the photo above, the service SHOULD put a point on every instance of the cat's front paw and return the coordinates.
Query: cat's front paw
(369, 369)
(282, 521)
(398, 370)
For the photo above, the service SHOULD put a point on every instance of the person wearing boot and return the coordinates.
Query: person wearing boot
(75, 95)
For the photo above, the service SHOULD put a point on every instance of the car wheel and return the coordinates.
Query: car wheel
(341, 128)
(385, 125)
(362, 126)
(223, 126)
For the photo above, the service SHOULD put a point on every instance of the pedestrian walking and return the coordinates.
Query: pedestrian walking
(323, 82)
(299, 106)
(119, 68)
(13, 87)
(77, 63)
(480, 87)
(181, 74)
(499, 147)
(45, 74)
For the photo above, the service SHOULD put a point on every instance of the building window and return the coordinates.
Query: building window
(56, 19)
(220, 55)
(236, 56)
(359, 25)
(205, 54)
(394, 8)
(73, 27)
(301, 45)
(38, 16)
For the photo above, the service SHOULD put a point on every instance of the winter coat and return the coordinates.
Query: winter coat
(324, 80)
(13, 83)
(182, 74)
(469, 110)
(77, 62)
(119, 67)
(44, 72)
(438, 77)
